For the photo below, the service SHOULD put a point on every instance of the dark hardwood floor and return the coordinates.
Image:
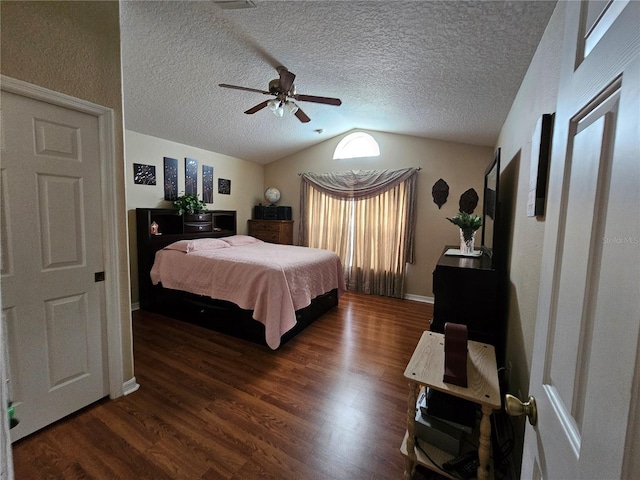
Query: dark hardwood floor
(329, 404)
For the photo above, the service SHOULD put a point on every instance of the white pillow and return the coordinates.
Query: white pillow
(235, 240)
(194, 245)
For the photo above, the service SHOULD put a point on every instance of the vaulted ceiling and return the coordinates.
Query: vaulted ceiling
(446, 70)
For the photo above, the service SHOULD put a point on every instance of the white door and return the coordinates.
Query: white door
(51, 244)
(585, 360)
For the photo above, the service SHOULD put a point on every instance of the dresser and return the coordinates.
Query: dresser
(272, 231)
(465, 291)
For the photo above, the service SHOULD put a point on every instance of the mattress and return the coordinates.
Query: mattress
(271, 280)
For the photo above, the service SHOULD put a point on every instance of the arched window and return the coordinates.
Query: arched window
(356, 145)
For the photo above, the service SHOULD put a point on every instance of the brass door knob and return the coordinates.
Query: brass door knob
(515, 407)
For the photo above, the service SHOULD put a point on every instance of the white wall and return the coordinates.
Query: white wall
(537, 95)
(462, 166)
(246, 183)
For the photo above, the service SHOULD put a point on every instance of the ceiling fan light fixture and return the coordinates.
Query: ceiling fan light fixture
(292, 108)
(273, 104)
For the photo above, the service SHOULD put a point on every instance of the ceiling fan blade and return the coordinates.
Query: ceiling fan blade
(312, 98)
(235, 87)
(257, 108)
(286, 79)
(302, 116)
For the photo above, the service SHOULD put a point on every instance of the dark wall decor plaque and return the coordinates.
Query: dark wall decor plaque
(440, 192)
(207, 184)
(469, 201)
(224, 186)
(170, 178)
(540, 154)
(144, 174)
(190, 175)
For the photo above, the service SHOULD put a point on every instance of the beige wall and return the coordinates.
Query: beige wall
(246, 183)
(461, 166)
(74, 48)
(537, 95)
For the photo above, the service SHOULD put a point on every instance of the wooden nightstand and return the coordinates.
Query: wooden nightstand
(426, 367)
(272, 231)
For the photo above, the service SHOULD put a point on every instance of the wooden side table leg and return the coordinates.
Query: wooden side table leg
(411, 417)
(484, 444)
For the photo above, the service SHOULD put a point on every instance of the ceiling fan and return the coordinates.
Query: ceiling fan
(284, 90)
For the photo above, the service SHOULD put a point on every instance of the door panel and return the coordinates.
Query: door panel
(52, 308)
(585, 350)
(61, 229)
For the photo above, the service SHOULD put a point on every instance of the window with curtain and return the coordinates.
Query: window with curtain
(368, 218)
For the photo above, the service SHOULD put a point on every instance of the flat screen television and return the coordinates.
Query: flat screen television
(491, 210)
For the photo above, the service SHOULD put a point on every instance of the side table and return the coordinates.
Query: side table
(426, 368)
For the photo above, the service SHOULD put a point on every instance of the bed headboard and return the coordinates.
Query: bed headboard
(172, 227)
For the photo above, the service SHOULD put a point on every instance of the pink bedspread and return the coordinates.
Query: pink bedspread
(272, 280)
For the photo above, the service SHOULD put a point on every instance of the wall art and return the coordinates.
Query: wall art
(170, 178)
(207, 184)
(224, 186)
(144, 174)
(469, 201)
(538, 173)
(440, 192)
(191, 175)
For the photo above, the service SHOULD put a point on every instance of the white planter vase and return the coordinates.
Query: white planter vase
(467, 239)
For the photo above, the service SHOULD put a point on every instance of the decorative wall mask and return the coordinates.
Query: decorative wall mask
(468, 201)
(440, 192)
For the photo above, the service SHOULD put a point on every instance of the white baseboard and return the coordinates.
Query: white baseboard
(419, 298)
(135, 306)
(130, 386)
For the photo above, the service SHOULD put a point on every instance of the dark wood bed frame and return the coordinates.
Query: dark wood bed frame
(215, 314)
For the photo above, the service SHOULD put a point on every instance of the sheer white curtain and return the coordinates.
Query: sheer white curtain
(368, 218)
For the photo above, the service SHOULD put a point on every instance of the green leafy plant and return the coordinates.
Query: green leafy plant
(467, 222)
(190, 204)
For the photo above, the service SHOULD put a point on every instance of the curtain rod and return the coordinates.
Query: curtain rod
(417, 169)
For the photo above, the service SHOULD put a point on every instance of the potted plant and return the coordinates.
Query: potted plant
(468, 225)
(189, 204)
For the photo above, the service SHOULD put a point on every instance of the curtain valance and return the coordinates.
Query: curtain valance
(357, 183)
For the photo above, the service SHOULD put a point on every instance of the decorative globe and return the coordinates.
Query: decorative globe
(272, 195)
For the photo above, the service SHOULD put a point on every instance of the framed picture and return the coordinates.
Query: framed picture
(224, 186)
(190, 175)
(144, 174)
(170, 178)
(540, 156)
(207, 184)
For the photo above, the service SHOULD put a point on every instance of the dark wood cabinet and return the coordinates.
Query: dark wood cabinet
(465, 291)
(272, 231)
(169, 227)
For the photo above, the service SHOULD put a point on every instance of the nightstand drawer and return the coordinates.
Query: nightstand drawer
(197, 217)
(198, 227)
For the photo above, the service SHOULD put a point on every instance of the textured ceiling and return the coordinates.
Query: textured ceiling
(447, 70)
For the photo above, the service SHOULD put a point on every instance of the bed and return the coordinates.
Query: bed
(236, 284)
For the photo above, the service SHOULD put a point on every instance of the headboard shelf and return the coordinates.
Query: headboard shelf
(172, 227)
